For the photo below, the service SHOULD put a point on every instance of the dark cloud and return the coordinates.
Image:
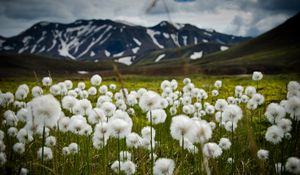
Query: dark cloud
(242, 17)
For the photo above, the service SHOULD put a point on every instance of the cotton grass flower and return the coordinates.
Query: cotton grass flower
(47, 155)
(293, 165)
(225, 143)
(50, 141)
(293, 108)
(274, 134)
(218, 84)
(118, 128)
(128, 167)
(263, 154)
(157, 115)
(149, 100)
(274, 113)
(180, 126)
(47, 81)
(73, 148)
(3, 159)
(232, 113)
(19, 148)
(46, 110)
(133, 140)
(200, 131)
(212, 150)
(163, 166)
(96, 80)
(36, 91)
(256, 76)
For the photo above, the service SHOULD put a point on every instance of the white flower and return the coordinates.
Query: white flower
(10, 117)
(221, 104)
(285, 125)
(23, 171)
(212, 150)
(252, 104)
(293, 165)
(65, 151)
(180, 126)
(218, 84)
(12, 131)
(68, 102)
(36, 91)
(118, 128)
(47, 81)
(232, 113)
(115, 166)
(199, 132)
(92, 91)
(46, 110)
(210, 109)
(293, 108)
(274, 134)
(257, 76)
(81, 85)
(230, 126)
(21, 94)
(150, 100)
(133, 140)
(19, 148)
(63, 124)
(263, 154)
(214, 92)
(109, 108)
(128, 167)
(158, 116)
(163, 166)
(50, 141)
(73, 148)
(69, 84)
(258, 98)
(2, 158)
(103, 89)
(250, 91)
(47, 153)
(146, 132)
(274, 113)
(96, 115)
(225, 143)
(112, 86)
(96, 80)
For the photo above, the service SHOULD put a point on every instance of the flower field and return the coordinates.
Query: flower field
(248, 124)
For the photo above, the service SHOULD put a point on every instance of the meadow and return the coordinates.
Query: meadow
(243, 124)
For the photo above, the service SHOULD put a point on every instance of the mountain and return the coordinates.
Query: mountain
(97, 40)
(277, 50)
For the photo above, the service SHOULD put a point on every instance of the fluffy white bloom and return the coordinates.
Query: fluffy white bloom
(47, 81)
(23, 171)
(257, 76)
(180, 126)
(285, 125)
(46, 110)
(133, 140)
(103, 89)
(36, 91)
(258, 98)
(293, 108)
(218, 84)
(250, 91)
(158, 116)
(2, 158)
(292, 165)
(92, 91)
(112, 86)
(263, 154)
(128, 167)
(19, 148)
(63, 124)
(50, 141)
(109, 108)
(163, 166)
(252, 104)
(231, 100)
(10, 117)
(96, 115)
(150, 100)
(69, 84)
(274, 113)
(68, 102)
(6, 98)
(199, 132)
(212, 150)
(24, 136)
(232, 113)
(96, 80)
(274, 134)
(165, 84)
(21, 94)
(244, 98)
(118, 128)
(47, 153)
(220, 104)
(230, 126)
(81, 85)
(225, 143)
(146, 132)
(210, 109)
(12, 131)
(239, 91)
(73, 148)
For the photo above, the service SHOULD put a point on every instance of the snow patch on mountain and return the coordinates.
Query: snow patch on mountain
(107, 53)
(159, 58)
(125, 60)
(223, 48)
(135, 50)
(137, 41)
(152, 34)
(118, 54)
(196, 55)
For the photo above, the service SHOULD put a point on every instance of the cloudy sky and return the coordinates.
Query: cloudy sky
(239, 17)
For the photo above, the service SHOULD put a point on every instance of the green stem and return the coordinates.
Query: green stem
(119, 154)
(151, 143)
(43, 145)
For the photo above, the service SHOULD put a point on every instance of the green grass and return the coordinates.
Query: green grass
(248, 138)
